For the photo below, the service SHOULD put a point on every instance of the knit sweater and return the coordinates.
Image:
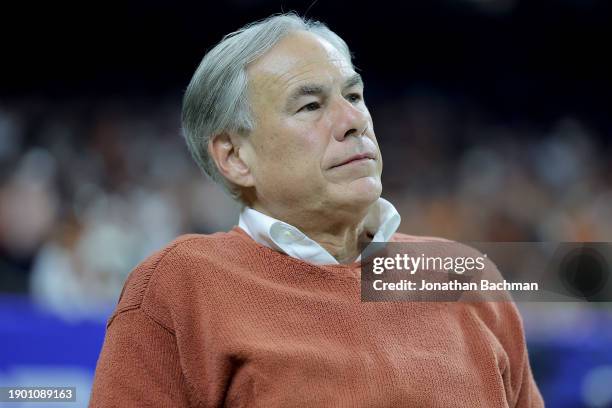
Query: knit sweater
(220, 320)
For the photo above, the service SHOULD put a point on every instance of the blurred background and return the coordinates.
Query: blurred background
(493, 116)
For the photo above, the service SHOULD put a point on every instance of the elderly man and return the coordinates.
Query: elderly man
(269, 313)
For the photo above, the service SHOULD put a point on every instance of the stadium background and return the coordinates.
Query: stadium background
(493, 117)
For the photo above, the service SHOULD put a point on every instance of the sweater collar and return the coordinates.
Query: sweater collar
(382, 221)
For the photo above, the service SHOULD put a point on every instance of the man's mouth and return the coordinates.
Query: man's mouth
(358, 158)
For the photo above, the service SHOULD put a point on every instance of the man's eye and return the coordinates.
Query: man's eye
(312, 106)
(354, 97)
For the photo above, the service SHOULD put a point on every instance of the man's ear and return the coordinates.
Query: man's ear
(231, 154)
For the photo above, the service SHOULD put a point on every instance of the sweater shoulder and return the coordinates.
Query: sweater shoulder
(497, 312)
(152, 281)
(442, 247)
(437, 245)
(400, 237)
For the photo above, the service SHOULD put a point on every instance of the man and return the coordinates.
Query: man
(269, 314)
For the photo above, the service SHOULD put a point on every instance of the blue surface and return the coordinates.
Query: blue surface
(30, 335)
(38, 346)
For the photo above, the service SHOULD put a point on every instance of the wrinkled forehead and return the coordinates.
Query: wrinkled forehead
(298, 57)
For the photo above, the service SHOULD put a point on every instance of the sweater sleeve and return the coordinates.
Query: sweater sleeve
(528, 394)
(139, 365)
(525, 392)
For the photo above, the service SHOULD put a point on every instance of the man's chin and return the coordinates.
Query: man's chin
(363, 191)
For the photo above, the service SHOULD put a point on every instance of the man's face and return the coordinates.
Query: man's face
(313, 146)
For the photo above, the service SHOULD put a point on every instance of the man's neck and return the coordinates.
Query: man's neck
(340, 236)
(345, 247)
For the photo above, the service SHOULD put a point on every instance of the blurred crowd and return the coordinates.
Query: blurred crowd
(88, 190)
(457, 172)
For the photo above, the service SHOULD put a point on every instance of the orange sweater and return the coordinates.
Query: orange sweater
(219, 320)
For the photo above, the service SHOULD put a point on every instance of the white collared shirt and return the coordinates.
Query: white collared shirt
(381, 221)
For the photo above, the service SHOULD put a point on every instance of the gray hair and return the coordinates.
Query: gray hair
(216, 99)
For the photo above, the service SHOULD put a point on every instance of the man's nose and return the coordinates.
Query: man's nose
(350, 120)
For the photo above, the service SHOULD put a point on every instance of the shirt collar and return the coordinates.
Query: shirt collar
(382, 221)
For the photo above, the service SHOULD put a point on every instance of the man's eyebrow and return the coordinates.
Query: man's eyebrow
(306, 90)
(317, 89)
(353, 80)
